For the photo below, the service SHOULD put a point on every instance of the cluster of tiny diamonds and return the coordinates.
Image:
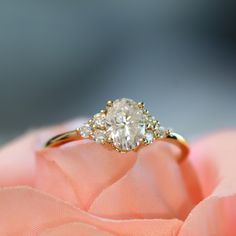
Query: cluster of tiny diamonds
(97, 128)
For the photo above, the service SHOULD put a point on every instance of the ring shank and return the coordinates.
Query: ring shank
(179, 141)
(173, 138)
(63, 138)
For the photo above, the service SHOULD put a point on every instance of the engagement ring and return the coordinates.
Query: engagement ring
(124, 125)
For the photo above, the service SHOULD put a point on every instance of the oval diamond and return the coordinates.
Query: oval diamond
(126, 124)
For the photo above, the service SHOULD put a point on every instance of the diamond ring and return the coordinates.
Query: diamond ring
(124, 125)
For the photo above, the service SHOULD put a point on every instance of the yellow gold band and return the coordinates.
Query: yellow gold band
(173, 138)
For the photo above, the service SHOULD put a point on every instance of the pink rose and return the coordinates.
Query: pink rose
(83, 189)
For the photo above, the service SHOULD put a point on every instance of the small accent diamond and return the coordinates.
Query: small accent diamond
(149, 137)
(162, 132)
(85, 131)
(99, 120)
(99, 136)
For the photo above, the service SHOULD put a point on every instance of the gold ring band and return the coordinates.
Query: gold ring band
(74, 135)
(123, 125)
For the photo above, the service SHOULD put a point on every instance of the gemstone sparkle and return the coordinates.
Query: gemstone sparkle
(125, 124)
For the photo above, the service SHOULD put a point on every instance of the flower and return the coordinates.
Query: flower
(81, 188)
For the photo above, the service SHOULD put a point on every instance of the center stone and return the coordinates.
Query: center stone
(126, 124)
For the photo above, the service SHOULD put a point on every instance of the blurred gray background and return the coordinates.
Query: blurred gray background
(64, 59)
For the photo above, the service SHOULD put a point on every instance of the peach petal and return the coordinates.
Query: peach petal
(75, 229)
(214, 159)
(87, 167)
(26, 211)
(51, 179)
(214, 216)
(153, 188)
(191, 181)
(17, 161)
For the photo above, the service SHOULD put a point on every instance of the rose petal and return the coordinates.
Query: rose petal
(214, 216)
(214, 158)
(75, 229)
(25, 211)
(153, 188)
(17, 161)
(191, 181)
(83, 166)
(51, 179)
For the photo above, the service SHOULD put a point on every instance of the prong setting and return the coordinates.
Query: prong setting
(109, 140)
(141, 105)
(109, 103)
(103, 111)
